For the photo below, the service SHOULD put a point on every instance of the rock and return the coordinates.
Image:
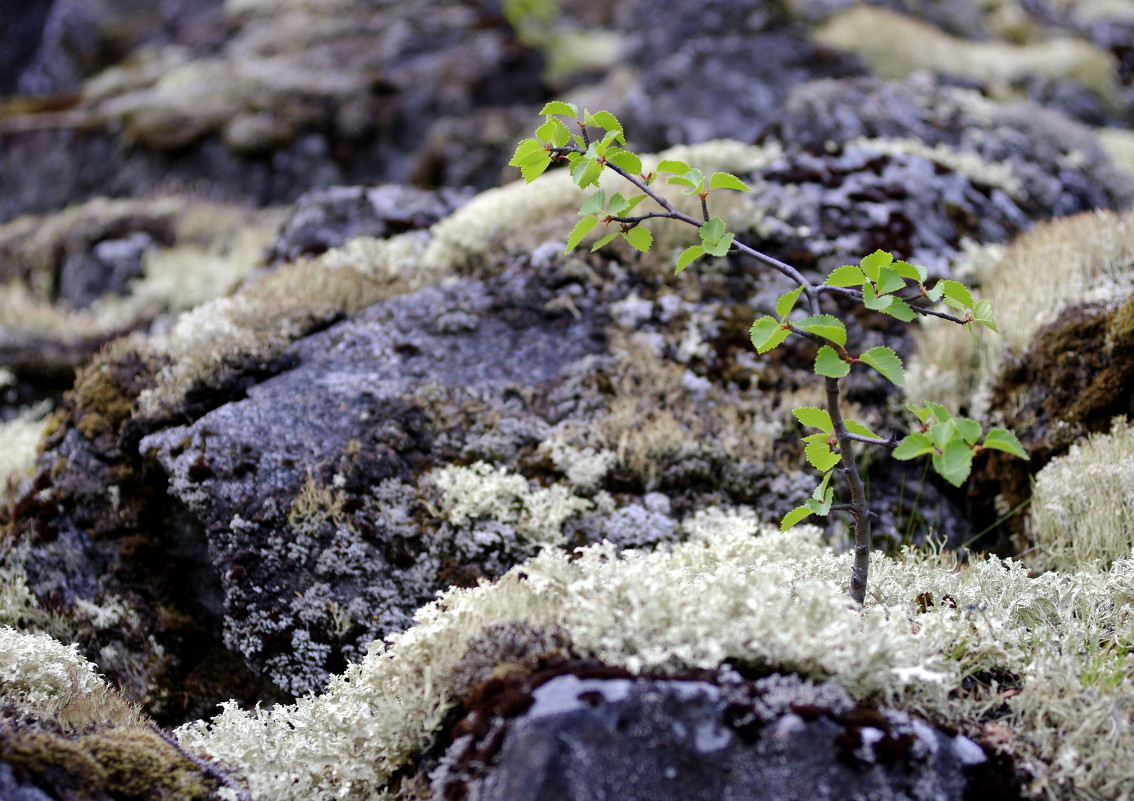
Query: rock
(21, 26)
(327, 218)
(572, 736)
(349, 423)
(722, 71)
(316, 96)
(917, 168)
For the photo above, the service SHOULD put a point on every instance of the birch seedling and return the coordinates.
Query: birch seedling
(596, 142)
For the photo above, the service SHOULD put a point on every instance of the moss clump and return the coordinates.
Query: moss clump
(106, 391)
(122, 764)
(137, 763)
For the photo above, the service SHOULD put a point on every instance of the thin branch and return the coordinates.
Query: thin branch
(885, 443)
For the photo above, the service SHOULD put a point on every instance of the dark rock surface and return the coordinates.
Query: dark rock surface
(327, 218)
(719, 69)
(350, 417)
(774, 738)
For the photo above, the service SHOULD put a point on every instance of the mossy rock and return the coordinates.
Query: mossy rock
(118, 763)
(1075, 379)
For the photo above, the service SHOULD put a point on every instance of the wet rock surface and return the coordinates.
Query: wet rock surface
(776, 737)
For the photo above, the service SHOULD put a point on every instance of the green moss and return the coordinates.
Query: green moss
(66, 761)
(137, 763)
(124, 763)
(106, 391)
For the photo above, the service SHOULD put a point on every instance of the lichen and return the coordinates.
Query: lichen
(209, 343)
(42, 679)
(912, 45)
(1083, 503)
(19, 445)
(484, 491)
(928, 640)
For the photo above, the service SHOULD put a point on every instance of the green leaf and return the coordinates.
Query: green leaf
(586, 173)
(871, 300)
(525, 150)
(640, 239)
(821, 491)
(822, 504)
(787, 301)
(559, 107)
(688, 256)
(1001, 439)
(847, 275)
(956, 291)
(820, 455)
(889, 281)
(944, 432)
(793, 517)
(768, 333)
(828, 363)
(914, 445)
(922, 413)
(532, 171)
(911, 271)
(670, 165)
(954, 463)
(595, 204)
(887, 304)
(721, 246)
(982, 314)
(712, 230)
(874, 262)
(885, 361)
(940, 413)
(968, 428)
(826, 326)
(553, 131)
(606, 240)
(581, 229)
(725, 180)
(606, 143)
(608, 122)
(855, 427)
(814, 417)
(625, 160)
(694, 179)
(900, 309)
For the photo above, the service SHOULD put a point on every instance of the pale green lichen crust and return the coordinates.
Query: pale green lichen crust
(737, 593)
(1083, 503)
(43, 679)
